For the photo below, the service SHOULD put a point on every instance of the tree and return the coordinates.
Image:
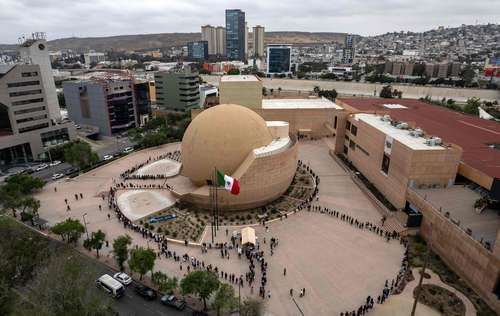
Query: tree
(386, 92)
(30, 207)
(233, 71)
(26, 183)
(10, 198)
(224, 299)
(66, 287)
(472, 106)
(142, 260)
(468, 75)
(61, 100)
(200, 283)
(251, 307)
(316, 89)
(329, 94)
(264, 91)
(97, 240)
(120, 249)
(163, 282)
(80, 154)
(70, 230)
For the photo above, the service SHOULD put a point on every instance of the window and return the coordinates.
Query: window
(346, 150)
(27, 92)
(352, 145)
(354, 130)
(348, 125)
(27, 101)
(386, 161)
(33, 118)
(335, 122)
(40, 108)
(32, 128)
(23, 84)
(29, 74)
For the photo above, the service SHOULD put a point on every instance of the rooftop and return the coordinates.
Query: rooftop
(401, 135)
(306, 103)
(233, 78)
(473, 134)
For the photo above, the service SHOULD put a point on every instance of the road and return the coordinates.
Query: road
(128, 305)
(115, 147)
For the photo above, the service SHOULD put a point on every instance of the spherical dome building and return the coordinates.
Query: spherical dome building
(238, 142)
(221, 137)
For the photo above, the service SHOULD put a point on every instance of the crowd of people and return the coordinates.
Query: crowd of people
(130, 173)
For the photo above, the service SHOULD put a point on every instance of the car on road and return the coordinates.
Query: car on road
(172, 301)
(77, 126)
(123, 278)
(110, 285)
(127, 150)
(41, 167)
(107, 157)
(55, 163)
(56, 176)
(146, 292)
(71, 170)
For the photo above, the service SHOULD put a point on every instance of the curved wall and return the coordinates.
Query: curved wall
(261, 180)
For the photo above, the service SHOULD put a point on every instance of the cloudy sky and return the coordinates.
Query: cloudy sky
(84, 18)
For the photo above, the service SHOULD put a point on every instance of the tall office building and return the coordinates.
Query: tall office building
(26, 128)
(220, 32)
(279, 59)
(198, 50)
(258, 41)
(177, 90)
(208, 33)
(246, 40)
(108, 104)
(348, 54)
(235, 34)
(34, 51)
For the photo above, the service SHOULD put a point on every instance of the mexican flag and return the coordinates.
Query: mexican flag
(229, 183)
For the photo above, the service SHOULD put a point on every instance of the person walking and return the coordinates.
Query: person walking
(284, 271)
(291, 292)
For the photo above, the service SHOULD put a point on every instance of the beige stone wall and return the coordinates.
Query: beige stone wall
(246, 93)
(479, 267)
(429, 167)
(313, 119)
(264, 180)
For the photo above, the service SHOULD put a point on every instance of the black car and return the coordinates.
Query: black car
(71, 171)
(172, 301)
(146, 292)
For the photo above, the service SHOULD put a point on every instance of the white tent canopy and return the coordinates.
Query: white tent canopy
(248, 236)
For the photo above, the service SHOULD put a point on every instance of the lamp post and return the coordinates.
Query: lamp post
(85, 224)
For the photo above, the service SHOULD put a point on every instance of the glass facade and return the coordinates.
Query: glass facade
(235, 34)
(198, 50)
(278, 60)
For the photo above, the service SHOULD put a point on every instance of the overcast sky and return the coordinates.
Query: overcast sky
(85, 18)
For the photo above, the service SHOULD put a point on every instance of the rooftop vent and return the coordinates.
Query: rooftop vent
(402, 125)
(434, 141)
(385, 118)
(417, 132)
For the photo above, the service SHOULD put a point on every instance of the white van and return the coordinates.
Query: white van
(110, 285)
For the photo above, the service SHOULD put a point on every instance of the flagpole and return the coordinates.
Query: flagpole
(214, 218)
(210, 192)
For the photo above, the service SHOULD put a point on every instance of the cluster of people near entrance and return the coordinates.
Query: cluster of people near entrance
(129, 173)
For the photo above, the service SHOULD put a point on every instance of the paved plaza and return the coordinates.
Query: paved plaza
(338, 265)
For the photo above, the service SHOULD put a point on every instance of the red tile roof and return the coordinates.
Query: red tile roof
(471, 133)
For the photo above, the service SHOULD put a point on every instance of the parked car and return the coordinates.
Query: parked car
(172, 301)
(110, 285)
(41, 167)
(123, 278)
(127, 150)
(56, 176)
(107, 157)
(146, 292)
(55, 163)
(71, 170)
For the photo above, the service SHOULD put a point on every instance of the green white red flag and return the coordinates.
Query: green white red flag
(229, 183)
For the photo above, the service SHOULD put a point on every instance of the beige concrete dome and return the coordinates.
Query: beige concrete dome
(221, 137)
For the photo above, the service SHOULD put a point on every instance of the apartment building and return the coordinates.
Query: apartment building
(177, 90)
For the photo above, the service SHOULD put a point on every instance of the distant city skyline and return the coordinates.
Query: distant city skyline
(97, 18)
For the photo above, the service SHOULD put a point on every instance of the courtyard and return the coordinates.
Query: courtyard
(338, 264)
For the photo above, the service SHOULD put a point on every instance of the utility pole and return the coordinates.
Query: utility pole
(85, 224)
(422, 273)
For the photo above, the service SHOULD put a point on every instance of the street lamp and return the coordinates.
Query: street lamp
(85, 224)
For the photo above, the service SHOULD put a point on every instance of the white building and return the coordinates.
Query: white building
(94, 57)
